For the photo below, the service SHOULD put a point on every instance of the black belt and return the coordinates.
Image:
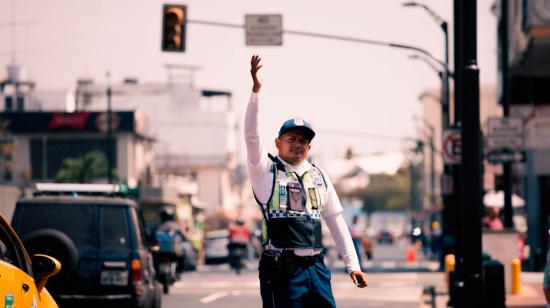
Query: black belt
(301, 260)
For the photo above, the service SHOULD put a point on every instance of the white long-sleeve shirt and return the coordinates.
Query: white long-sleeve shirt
(261, 178)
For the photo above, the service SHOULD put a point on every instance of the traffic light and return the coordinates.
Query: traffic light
(173, 27)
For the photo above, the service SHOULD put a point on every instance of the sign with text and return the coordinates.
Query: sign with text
(504, 142)
(499, 157)
(510, 126)
(264, 30)
(452, 146)
(505, 133)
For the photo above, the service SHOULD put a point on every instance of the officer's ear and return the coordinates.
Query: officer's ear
(277, 142)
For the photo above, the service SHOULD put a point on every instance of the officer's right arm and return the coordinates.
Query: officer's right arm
(257, 160)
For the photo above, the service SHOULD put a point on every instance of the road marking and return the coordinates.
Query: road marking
(212, 297)
(388, 264)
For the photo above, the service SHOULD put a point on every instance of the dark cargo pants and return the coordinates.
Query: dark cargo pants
(297, 282)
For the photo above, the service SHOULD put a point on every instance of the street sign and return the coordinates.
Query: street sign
(452, 146)
(510, 126)
(505, 133)
(499, 157)
(504, 142)
(264, 30)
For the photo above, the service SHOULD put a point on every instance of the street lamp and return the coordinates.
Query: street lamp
(449, 198)
(445, 74)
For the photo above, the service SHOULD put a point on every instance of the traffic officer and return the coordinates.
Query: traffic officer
(293, 195)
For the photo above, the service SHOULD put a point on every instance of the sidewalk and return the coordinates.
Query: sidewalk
(530, 296)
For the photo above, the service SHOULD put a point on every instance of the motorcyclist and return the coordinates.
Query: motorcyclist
(239, 238)
(170, 237)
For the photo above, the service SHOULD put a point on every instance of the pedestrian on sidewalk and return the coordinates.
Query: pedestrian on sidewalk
(293, 195)
(357, 238)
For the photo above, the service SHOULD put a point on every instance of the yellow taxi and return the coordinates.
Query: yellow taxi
(22, 281)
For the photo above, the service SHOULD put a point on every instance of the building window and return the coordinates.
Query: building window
(8, 103)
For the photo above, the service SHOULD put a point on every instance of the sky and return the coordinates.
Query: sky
(337, 86)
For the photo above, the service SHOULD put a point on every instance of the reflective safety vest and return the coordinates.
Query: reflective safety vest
(292, 215)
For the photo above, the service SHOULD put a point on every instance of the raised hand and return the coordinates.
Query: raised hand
(254, 68)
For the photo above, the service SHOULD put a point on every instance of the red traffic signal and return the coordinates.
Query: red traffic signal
(173, 27)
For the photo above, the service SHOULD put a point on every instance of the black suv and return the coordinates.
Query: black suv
(98, 237)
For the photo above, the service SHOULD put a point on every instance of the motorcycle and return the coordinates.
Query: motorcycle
(166, 259)
(237, 253)
(166, 270)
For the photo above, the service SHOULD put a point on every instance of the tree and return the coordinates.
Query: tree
(386, 192)
(90, 167)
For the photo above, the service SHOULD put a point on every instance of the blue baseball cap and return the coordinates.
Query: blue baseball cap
(297, 124)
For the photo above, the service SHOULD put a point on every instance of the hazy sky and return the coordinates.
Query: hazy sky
(335, 85)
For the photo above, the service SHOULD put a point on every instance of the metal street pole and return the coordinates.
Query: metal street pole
(471, 205)
(457, 283)
(505, 101)
(449, 232)
(109, 134)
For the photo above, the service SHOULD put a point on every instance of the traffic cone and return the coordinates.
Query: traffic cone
(411, 254)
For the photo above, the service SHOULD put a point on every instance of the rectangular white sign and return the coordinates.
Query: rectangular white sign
(504, 142)
(511, 126)
(264, 30)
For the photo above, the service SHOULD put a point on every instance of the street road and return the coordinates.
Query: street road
(228, 290)
(392, 283)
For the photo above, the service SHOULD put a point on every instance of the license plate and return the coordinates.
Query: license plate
(164, 267)
(114, 278)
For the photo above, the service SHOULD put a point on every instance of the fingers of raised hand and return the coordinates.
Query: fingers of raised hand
(255, 61)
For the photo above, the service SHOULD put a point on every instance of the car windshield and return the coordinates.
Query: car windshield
(7, 249)
(75, 220)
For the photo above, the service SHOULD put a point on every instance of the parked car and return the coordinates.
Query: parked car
(19, 273)
(98, 237)
(215, 247)
(384, 237)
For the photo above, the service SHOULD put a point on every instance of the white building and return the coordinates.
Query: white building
(194, 132)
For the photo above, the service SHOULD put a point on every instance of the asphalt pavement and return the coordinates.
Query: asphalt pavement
(393, 282)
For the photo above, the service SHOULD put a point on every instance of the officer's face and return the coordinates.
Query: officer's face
(293, 147)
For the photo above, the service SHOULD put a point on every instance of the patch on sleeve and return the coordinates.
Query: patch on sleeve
(9, 300)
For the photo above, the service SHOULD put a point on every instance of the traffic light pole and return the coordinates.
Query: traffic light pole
(332, 37)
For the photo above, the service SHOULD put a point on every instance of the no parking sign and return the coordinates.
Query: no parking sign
(452, 146)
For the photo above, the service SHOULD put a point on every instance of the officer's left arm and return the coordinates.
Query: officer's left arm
(332, 214)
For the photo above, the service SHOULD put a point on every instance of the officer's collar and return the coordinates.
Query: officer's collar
(300, 168)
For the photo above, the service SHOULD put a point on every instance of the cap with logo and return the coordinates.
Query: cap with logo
(297, 124)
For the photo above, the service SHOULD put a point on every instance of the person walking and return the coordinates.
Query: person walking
(293, 195)
(357, 237)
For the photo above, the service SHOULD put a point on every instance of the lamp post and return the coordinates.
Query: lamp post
(445, 74)
(450, 174)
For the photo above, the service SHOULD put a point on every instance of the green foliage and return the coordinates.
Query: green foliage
(387, 192)
(84, 169)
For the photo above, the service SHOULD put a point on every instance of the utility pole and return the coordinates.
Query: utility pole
(471, 201)
(505, 101)
(109, 132)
